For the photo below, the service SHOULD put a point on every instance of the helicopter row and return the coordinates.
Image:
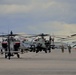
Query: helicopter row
(14, 46)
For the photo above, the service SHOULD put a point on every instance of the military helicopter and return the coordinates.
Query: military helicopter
(10, 45)
(41, 44)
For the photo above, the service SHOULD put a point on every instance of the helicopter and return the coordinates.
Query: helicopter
(41, 44)
(10, 45)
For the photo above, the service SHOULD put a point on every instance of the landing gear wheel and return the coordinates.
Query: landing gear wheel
(37, 51)
(49, 50)
(45, 50)
(22, 51)
(5, 56)
(18, 55)
(9, 55)
(1, 51)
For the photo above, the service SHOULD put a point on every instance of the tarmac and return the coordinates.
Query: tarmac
(54, 63)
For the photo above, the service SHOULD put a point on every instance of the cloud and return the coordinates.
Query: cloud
(39, 9)
(10, 2)
(57, 28)
(38, 16)
(33, 6)
(8, 9)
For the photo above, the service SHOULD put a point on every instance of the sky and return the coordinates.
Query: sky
(38, 16)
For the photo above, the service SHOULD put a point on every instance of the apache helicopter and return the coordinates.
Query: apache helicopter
(10, 45)
(41, 44)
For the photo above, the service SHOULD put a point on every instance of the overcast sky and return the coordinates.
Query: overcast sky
(38, 16)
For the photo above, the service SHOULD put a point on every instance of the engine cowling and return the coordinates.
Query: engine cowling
(16, 45)
(4, 44)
